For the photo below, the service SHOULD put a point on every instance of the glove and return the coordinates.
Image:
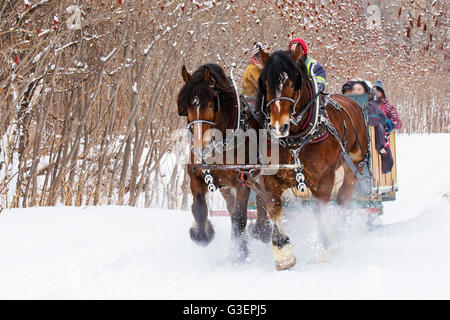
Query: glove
(321, 87)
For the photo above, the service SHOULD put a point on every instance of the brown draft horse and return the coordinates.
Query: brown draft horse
(283, 78)
(208, 100)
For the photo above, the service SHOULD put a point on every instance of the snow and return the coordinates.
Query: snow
(104, 59)
(151, 45)
(123, 252)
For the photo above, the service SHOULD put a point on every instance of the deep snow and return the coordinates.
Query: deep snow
(122, 252)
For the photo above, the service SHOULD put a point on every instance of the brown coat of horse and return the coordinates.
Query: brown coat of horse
(282, 77)
(208, 100)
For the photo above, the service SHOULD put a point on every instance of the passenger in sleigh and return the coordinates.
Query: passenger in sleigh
(356, 87)
(388, 109)
(389, 122)
(347, 87)
(377, 118)
(313, 68)
(253, 70)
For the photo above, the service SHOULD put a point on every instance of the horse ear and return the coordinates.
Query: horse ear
(185, 74)
(264, 55)
(296, 54)
(207, 76)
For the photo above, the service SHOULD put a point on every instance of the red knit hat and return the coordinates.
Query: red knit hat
(302, 43)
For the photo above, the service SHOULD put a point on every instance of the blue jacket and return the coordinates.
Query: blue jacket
(318, 71)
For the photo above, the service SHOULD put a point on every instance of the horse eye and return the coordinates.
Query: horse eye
(211, 106)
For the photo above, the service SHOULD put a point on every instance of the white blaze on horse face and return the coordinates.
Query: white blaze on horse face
(282, 118)
(201, 137)
(280, 89)
(197, 127)
(198, 136)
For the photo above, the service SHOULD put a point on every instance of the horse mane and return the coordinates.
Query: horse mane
(279, 64)
(301, 63)
(197, 87)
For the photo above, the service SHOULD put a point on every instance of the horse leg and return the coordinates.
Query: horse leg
(239, 221)
(202, 231)
(261, 229)
(345, 192)
(227, 194)
(281, 247)
(323, 194)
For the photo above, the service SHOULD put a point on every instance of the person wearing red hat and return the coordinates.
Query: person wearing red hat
(312, 66)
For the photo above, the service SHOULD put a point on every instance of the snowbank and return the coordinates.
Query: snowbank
(122, 252)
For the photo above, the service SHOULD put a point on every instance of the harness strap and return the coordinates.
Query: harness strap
(248, 107)
(344, 153)
(308, 106)
(334, 132)
(354, 131)
(337, 106)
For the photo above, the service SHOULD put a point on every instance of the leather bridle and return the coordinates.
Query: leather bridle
(196, 104)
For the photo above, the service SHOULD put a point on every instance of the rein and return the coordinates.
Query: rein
(307, 108)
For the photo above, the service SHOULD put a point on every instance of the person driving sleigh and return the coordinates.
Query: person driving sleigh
(313, 68)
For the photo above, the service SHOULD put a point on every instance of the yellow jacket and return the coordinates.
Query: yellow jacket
(250, 81)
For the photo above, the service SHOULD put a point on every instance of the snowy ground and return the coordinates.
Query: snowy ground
(121, 252)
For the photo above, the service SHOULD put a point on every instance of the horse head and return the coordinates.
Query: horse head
(280, 86)
(205, 99)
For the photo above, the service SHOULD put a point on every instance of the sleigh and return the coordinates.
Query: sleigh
(383, 186)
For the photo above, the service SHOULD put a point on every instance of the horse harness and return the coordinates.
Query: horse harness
(239, 124)
(315, 129)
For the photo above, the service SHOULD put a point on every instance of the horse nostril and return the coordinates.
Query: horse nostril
(284, 128)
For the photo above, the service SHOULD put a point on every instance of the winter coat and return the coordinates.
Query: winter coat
(375, 114)
(317, 71)
(392, 116)
(379, 121)
(391, 113)
(250, 80)
(387, 162)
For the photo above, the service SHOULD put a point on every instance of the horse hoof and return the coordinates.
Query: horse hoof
(202, 237)
(285, 264)
(284, 257)
(261, 232)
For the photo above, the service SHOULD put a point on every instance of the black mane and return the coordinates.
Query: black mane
(197, 87)
(301, 63)
(280, 62)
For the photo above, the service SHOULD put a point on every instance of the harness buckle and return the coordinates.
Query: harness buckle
(324, 119)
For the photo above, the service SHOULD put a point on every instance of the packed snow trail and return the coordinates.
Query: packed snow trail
(122, 252)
